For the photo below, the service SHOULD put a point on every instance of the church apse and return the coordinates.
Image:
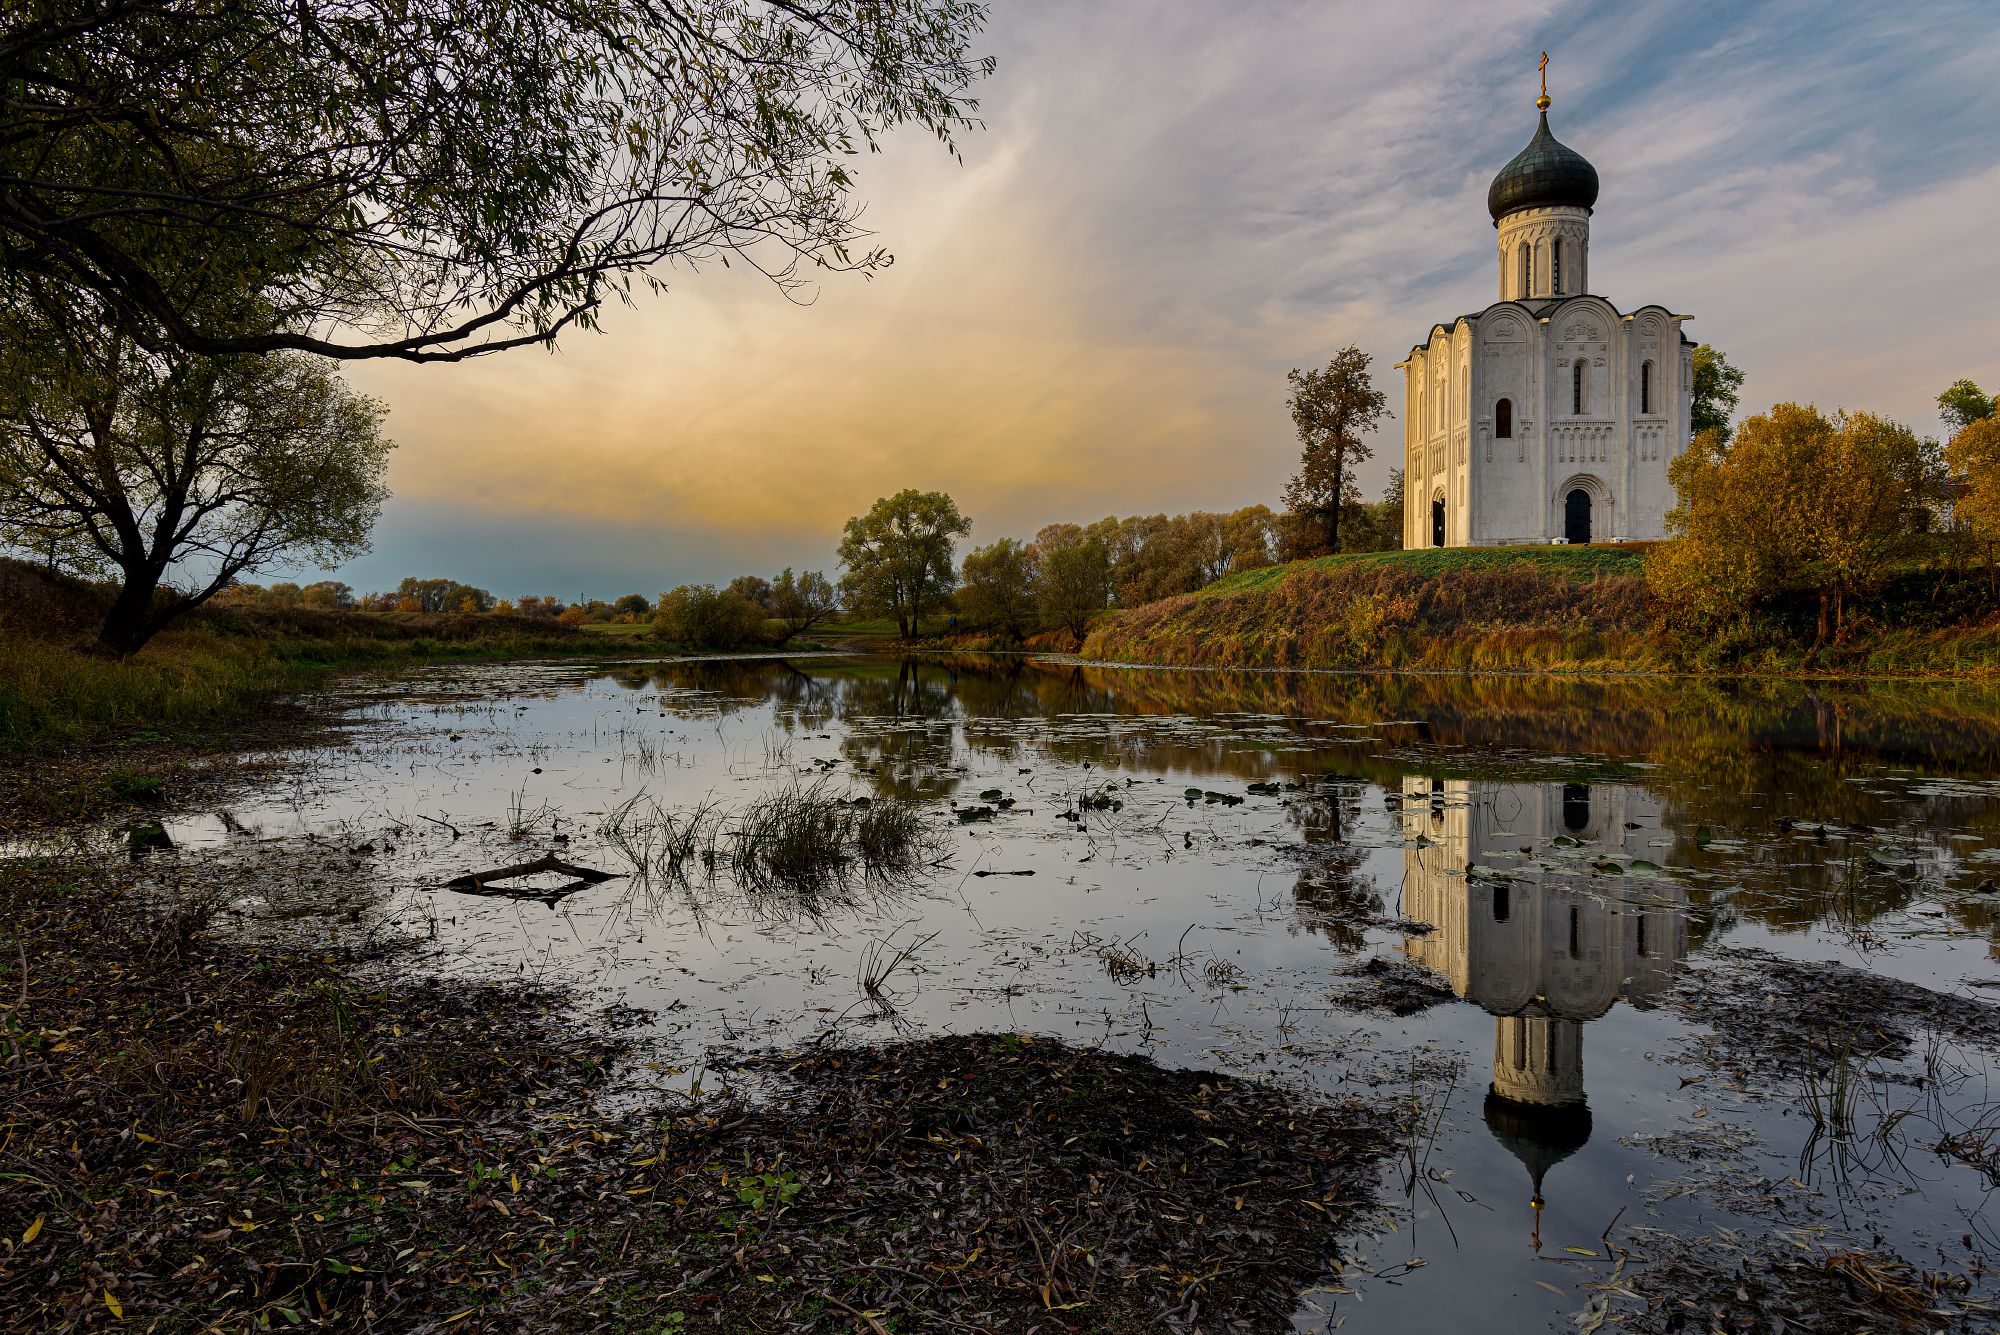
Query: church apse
(1545, 946)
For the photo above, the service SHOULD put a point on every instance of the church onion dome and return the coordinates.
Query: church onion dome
(1544, 173)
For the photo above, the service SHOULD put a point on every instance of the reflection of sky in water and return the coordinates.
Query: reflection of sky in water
(1251, 912)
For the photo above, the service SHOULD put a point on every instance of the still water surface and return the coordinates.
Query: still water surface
(1561, 854)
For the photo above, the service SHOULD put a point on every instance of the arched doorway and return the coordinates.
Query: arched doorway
(1576, 516)
(1437, 522)
(1576, 806)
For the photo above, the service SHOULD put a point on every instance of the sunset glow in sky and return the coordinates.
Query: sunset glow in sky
(1175, 203)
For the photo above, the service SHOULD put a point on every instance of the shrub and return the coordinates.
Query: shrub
(699, 616)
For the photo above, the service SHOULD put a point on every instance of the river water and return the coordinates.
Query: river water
(1224, 871)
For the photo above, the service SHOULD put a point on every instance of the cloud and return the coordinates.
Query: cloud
(1174, 204)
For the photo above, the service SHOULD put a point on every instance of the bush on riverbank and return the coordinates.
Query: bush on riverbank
(1543, 609)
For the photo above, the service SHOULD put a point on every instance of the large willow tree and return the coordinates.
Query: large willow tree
(434, 179)
(158, 463)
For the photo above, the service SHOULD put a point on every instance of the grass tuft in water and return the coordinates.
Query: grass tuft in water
(794, 839)
(661, 846)
(893, 840)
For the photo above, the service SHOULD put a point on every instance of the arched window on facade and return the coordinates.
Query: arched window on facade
(1503, 419)
(1645, 387)
(1556, 267)
(1523, 290)
(1576, 388)
(1502, 902)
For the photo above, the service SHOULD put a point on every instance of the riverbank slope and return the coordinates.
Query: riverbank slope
(1540, 609)
(216, 662)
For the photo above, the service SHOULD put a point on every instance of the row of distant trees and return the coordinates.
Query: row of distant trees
(436, 596)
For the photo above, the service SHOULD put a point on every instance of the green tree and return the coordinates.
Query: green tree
(444, 595)
(1332, 410)
(752, 588)
(898, 557)
(1973, 458)
(327, 593)
(1251, 535)
(146, 462)
(1076, 584)
(997, 586)
(1376, 526)
(1962, 405)
(1716, 383)
(448, 178)
(699, 616)
(801, 602)
(632, 605)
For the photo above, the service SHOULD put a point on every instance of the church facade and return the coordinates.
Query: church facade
(1550, 416)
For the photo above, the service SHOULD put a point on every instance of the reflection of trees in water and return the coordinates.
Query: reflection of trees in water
(1336, 897)
(1728, 755)
(1934, 722)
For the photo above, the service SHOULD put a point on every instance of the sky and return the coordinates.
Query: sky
(1174, 202)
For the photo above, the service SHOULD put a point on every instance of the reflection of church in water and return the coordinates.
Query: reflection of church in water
(1542, 956)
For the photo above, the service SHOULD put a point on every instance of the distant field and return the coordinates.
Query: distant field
(617, 632)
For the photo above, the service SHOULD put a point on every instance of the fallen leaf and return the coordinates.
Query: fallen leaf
(33, 1229)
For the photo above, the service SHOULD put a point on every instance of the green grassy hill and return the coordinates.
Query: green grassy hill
(1541, 609)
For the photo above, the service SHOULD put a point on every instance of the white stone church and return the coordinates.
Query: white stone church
(1548, 416)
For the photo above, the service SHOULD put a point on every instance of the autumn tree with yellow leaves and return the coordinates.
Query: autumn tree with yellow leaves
(1793, 502)
(1973, 457)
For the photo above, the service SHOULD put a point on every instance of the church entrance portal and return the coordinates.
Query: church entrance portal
(1576, 516)
(1437, 523)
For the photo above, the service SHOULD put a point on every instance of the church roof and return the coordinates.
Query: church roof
(1544, 309)
(1544, 173)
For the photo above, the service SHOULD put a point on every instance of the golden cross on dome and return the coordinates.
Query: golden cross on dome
(1543, 100)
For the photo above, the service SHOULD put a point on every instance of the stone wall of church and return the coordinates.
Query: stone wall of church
(1595, 402)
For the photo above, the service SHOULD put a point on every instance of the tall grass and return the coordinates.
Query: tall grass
(1495, 613)
(1539, 610)
(51, 693)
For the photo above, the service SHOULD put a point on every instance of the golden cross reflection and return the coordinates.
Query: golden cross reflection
(1547, 946)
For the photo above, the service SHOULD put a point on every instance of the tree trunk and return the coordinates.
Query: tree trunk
(129, 623)
(1333, 511)
(1825, 620)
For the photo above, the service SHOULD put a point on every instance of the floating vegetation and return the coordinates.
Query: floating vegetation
(1792, 1281)
(1121, 959)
